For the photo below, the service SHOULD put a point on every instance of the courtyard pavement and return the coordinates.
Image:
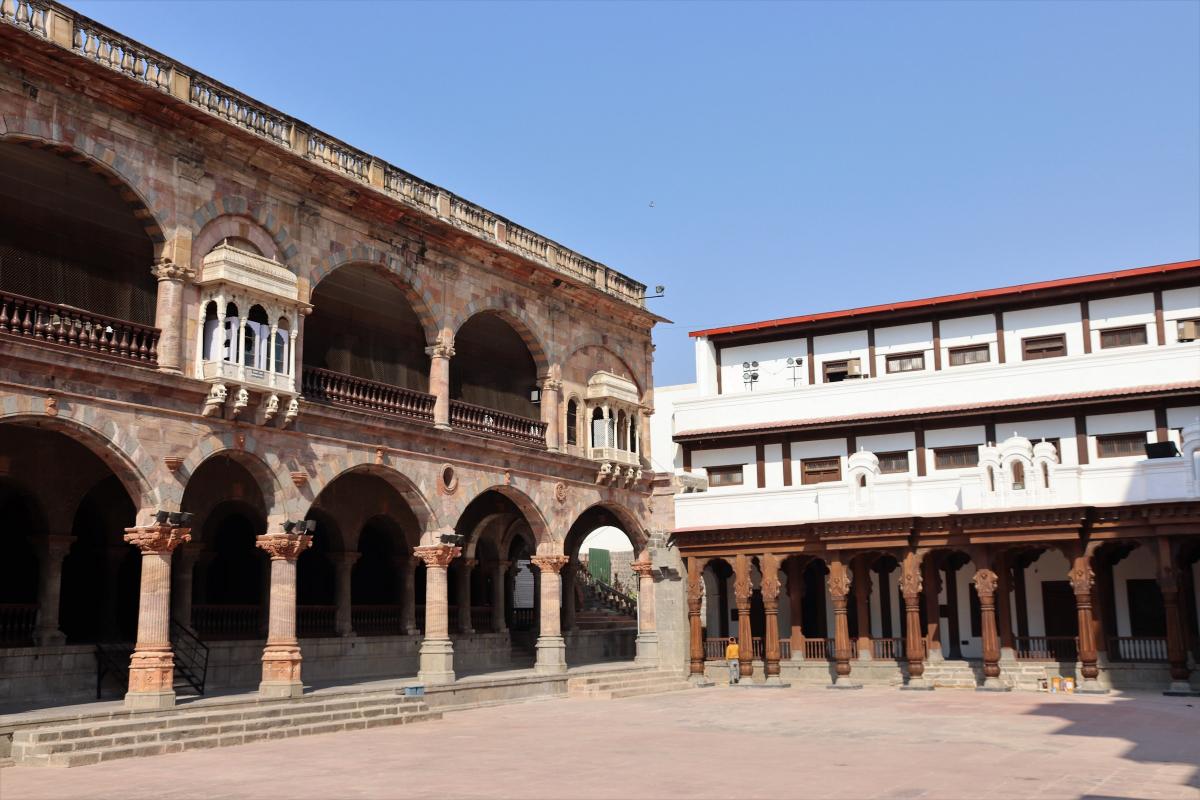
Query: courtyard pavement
(711, 743)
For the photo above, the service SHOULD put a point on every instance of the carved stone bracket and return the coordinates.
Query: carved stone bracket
(168, 270)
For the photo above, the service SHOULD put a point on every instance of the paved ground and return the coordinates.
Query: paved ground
(712, 743)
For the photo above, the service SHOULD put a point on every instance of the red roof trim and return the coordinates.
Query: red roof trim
(984, 294)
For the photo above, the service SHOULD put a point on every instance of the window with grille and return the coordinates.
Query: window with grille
(731, 475)
(820, 470)
(906, 362)
(1117, 445)
(1036, 347)
(892, 463)
(972, 354)
(956, 457)
(1123, 337)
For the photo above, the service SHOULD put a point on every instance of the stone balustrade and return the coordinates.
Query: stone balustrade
(488, 420)
(77, 329)
(233, 107)
(24, 14)
(117, 53)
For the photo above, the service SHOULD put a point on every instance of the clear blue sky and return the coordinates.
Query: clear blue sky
(800, 157)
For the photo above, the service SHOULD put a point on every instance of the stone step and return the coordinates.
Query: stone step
(626, 684)
(639, 680)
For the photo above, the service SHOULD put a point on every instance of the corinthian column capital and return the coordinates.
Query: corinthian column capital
(157, 538)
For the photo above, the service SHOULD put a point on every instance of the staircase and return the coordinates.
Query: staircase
(635, 682)
(954, 674)
(191, 662)
(79, 742)
(603, 606)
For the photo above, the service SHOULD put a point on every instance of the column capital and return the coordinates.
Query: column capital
(157, 538)
(440, 350)
(985, 581)
(550, 384)
(910, 583)
(437, 555)
(644, 569)
(549, 563)
(284, 546)
(839, 583)
(167, 270)
(1081, 577)
(58, 545)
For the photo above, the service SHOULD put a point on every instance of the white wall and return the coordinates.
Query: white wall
(773, 370)
(839, 347)
(665, 454)
(706, 367)
(1123, 312)
(1179, 304)
(729, 456)
(913, 338)
(1066, 319)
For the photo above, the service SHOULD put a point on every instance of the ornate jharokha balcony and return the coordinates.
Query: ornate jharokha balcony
(325, 386)
(74, 328)
(487, 420)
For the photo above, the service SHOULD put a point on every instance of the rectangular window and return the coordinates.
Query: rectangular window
(906, 362)
(820, 470)
(893, 463)
(1188, 330)
(1123, 337)
(725, 476)
(835, 371)
(972, 354)
(1117, 445)
(956, 457)
(1036, 347)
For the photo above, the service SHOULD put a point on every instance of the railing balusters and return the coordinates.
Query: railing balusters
(326, 386)
(487, 420)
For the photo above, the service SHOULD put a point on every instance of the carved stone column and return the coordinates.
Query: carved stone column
(695, 597)
(1082, 580)
(181, 595)
(839, 592)
(439, 379)
(168, 315)
(862, 607)
(462, 594)
(281, 657)
(551, 395)
(408, 594)
(770, 596)
(985, 581)
(47, 633)
(551, 649)
(914, 642)
(1177, 657)
(343, 620)
(499, 595)
(647, 637)
(795, 585)
(152, 666)
(742, 590)
(437, 651)
(933, 611)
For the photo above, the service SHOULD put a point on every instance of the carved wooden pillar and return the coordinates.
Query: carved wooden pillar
(770, 596)
(168, 316)
(914, 645)
(742, 590)
(933, 613)
(281, 657)
(47, 633)
(499, 596)
(407, 567)
(551, 394)
(1082, 580)
(1168, 582)
(862, 607)
(839, 583)
(439, 378)
(152, 665)
(437, 651)
(343, 620)
(647, 637)
(795, 583)
(462, 594)
(695, 598)
(551, 649)
(985, 581)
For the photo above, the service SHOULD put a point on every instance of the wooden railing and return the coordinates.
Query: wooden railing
(785, 649)
(815, 650)
(1047, 648)
(714, 648)
(885, 649)
(326, 386)
(377, 620)
(316, 620)
(16, 623)
(227, 621)
(488, 420)
(79, 330)
(1137, 649)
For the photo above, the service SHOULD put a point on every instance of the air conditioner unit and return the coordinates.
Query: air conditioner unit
(853, 370)
(1189, 331)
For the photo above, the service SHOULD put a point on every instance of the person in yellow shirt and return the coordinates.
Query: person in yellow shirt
(732, 655)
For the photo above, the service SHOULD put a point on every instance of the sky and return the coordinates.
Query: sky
(759, 160)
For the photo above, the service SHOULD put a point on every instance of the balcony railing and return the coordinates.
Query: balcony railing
(79, 330)
(326, 386)
(227, 621)
(316, 620)
(887, 649)
(16, 623)
(1137, 649)
(377, 620)
(1047, 648)
(497, 423)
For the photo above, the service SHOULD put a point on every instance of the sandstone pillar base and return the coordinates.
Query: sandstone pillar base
(1091, 686)
(647, 649)
(918, 685)
(845, 682)
(437, 662)
(281, 671)
(151, 679)
(992, 685)
(551, 655)
(1008, 656)
(1181, 689)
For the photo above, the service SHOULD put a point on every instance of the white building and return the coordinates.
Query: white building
(1013, 433)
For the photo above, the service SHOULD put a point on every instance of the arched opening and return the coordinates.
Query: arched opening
(257, 336)
(68, 237)
(1018, 475)
(492, 367)
(363, 325)
(600, 588)
(19, 566)
(231, 576)
(316, 578)
(101, 565)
